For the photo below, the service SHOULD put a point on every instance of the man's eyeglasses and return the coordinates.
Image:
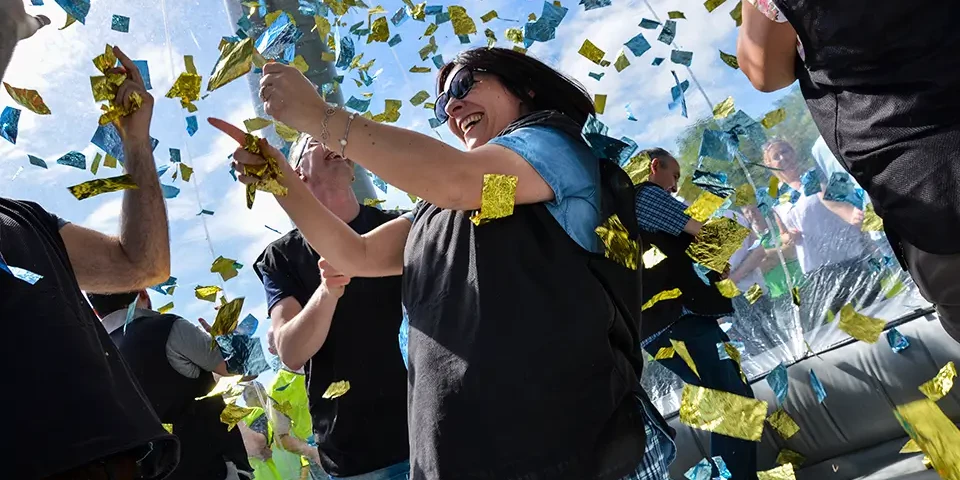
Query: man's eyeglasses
(460, 87)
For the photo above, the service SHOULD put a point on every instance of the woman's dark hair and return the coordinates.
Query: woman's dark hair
(522, 74)
(109, 303)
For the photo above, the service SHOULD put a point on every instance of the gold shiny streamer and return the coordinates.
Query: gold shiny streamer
(665, 353)
(681, 349)
(622, 62)
(783, 423)
(236, 60)
(187, 89)
(664, 295)
(723, 413)
(704, 206)
(29, 99)
(727, 288)
(497, 198)
(935, 434)
(337, 389)
(940, 385)
(391, 113)
(860, 326)
(618, 246)
(96, 187)
(227, 319)
(718, 240)
(166, 308)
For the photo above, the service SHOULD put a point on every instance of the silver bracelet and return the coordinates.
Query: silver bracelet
(346, 133)
(325, 134)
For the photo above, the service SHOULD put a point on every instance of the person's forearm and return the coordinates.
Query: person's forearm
(144, 233)
(752, 262)
(299, 339)
(8, 41)
(693, 227)
(843, 210)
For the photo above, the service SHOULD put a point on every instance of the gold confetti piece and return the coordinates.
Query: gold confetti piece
(519, 49)
(723, 109)
(491, 37)
(462, 23)
(168, 427)
(225, 386)
(185, 172)
(860, 326)
(110, 161)
(187, 89)
(676, 14)
(784, 424)
(788, 457)
(431, 29)
(322, 26)
(95, 167)
(652, 257)
(730, 60)
(379, 31)
(784, 472)
(413, 198)
(618, 246)
(717, 241)
(665, 353)
(515, 35)
(622, 61)
(774, 187)
(70, 21)
(232, 414)
(688, 190)
(735, 356)
(532, 17)
(496, 199)
(373, 202)
(773, 118)
(681, 349)
(268, 174)
(208, 293)
(337, 389)
(286, 133)
(105, 86)
(166, 308)
(712, 5)
(664, 295)
(105, 60)
(727, 288)
(638, 168)
(600, 103)
(927, 463)
(96, 187)
(391, 112)
(419, 98)
(254, 124)
(935, 434)
(227, 319)
(419, 12)
(376, 10)
(871, 221)
(722, 412)
(327, 57)
(795, 291)
(746, 195)
(940, 385)
(604, 63)
(704, 206)
(419, 69)
(226, 267)
(911, 447)
(753, 293)
(830, 316)
(429, 105)
(236, 60)
(591, 52)
(486, 17)
(29, 99)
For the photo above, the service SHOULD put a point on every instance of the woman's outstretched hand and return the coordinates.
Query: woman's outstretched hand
(289, 97)
(241, 157)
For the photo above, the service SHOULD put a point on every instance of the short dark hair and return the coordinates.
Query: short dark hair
(109, 303)
(521, 74)
(657, 152)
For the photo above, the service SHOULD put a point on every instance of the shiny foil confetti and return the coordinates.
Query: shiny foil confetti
(618, 246)
(73, 159)
(737, 13)
(638, 168)
(591, 52)
(462, 23)
(391, 113)
(784, 472)
(664, 295)
(723, 413)
(254, 124)
(728, 288)
(373, 202)
(892, 285)
(187, 89)
(774, 186)
(871, 221)
(337, 389)
(379, 30)
(600, 103)
(232, 414)
(860, 326)
(712, 5)
(681, 348)
(772, 119)
(784, 424)
(419, 97)
(491, 37)
(704, 206)
(515, 35)
(166, 308)
(779, 382)
(897, 341)
(700, 471)
(207, 293)
(20, 273)
(168, 427)
(638, 45)
(486, 17)
(753, 294)
(228, 386)
(622, 62)
(665, 353)
(730, 60)
(795, 293)
(29, 99)
(227, 319)
(120, 23)
(940, 385)
(724, 109)
(652, 257)
(96, 187)
(787, 457)
(935, 434)
(268, 174)
(717, 241)
(496, 199)
(226, 267)
(236, 60)
(10, 124)
(911, 447)
(286, 133)
(817, 387)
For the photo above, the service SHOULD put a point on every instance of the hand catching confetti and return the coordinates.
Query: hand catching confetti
(26, 25)
(242, 157)
(136, 125)
(334, 281)
(289, 97)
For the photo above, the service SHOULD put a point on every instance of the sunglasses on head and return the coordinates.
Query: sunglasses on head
(460, 87)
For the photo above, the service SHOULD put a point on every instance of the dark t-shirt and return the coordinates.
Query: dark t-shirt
(365, 429)
(77, 397)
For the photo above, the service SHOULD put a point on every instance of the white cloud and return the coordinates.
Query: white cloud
(106, 218)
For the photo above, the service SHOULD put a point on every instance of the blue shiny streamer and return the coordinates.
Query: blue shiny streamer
(779, 382)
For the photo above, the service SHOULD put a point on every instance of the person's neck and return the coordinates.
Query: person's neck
(339, 200)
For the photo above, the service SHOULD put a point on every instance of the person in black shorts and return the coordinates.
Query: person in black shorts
(82, 404)
(340, 329)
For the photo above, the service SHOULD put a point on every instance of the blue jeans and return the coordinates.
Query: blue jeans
(701, 336)
(399, 471)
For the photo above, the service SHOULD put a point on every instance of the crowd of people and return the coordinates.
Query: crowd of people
(525, 340)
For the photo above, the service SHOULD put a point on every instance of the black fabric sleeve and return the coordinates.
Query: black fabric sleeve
(277, 275)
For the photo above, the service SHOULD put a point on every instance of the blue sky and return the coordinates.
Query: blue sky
(58, 65)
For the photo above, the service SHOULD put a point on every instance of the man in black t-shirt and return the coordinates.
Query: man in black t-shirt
(340, 329)
(82, 405)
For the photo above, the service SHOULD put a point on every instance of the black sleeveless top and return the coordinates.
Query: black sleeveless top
(81, 400)
(881, 81)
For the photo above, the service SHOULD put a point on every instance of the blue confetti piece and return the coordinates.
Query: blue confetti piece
(144, 72)
(357, 104)
(464, 39)
(702, 272)
(232, 174)
(593, 125)
(346, 52)
(434, 123)
(313, 7)
(438, 61)
(715, 183)
(841, 189)
(247, 326)
(545, 27)
(36, 3)
(897, 341)
(638, 45)
(628, 153)
(243, 354)
(380, 183)
(120, 23)
(273, 229)
(192, 125)
(817, 387)
(811, 182)
(676, 92)
(276, 39)
(744, 126)
(433, 10)
(395, 40)
(657, 61)
(668, 33)
(312, 439)
(20, 273)
(596, 76)
(164, 288)
(162, 170)
(107, 138)
(400, 17)
(169, 191)
(10, 124)
(779, 382)
(649, 24)
(592, 4)
(174, 155)
(681, 57)
(700, 471)
(262, 10)
(76, 8)
(442, 17)
(722, 467)
(719, 145)
(606, 147)
(404, 337)
(205, 212)
(630, 115)
(130, 311)
(244, 24)
(73, 159)
(286, 150)
(37, 161)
